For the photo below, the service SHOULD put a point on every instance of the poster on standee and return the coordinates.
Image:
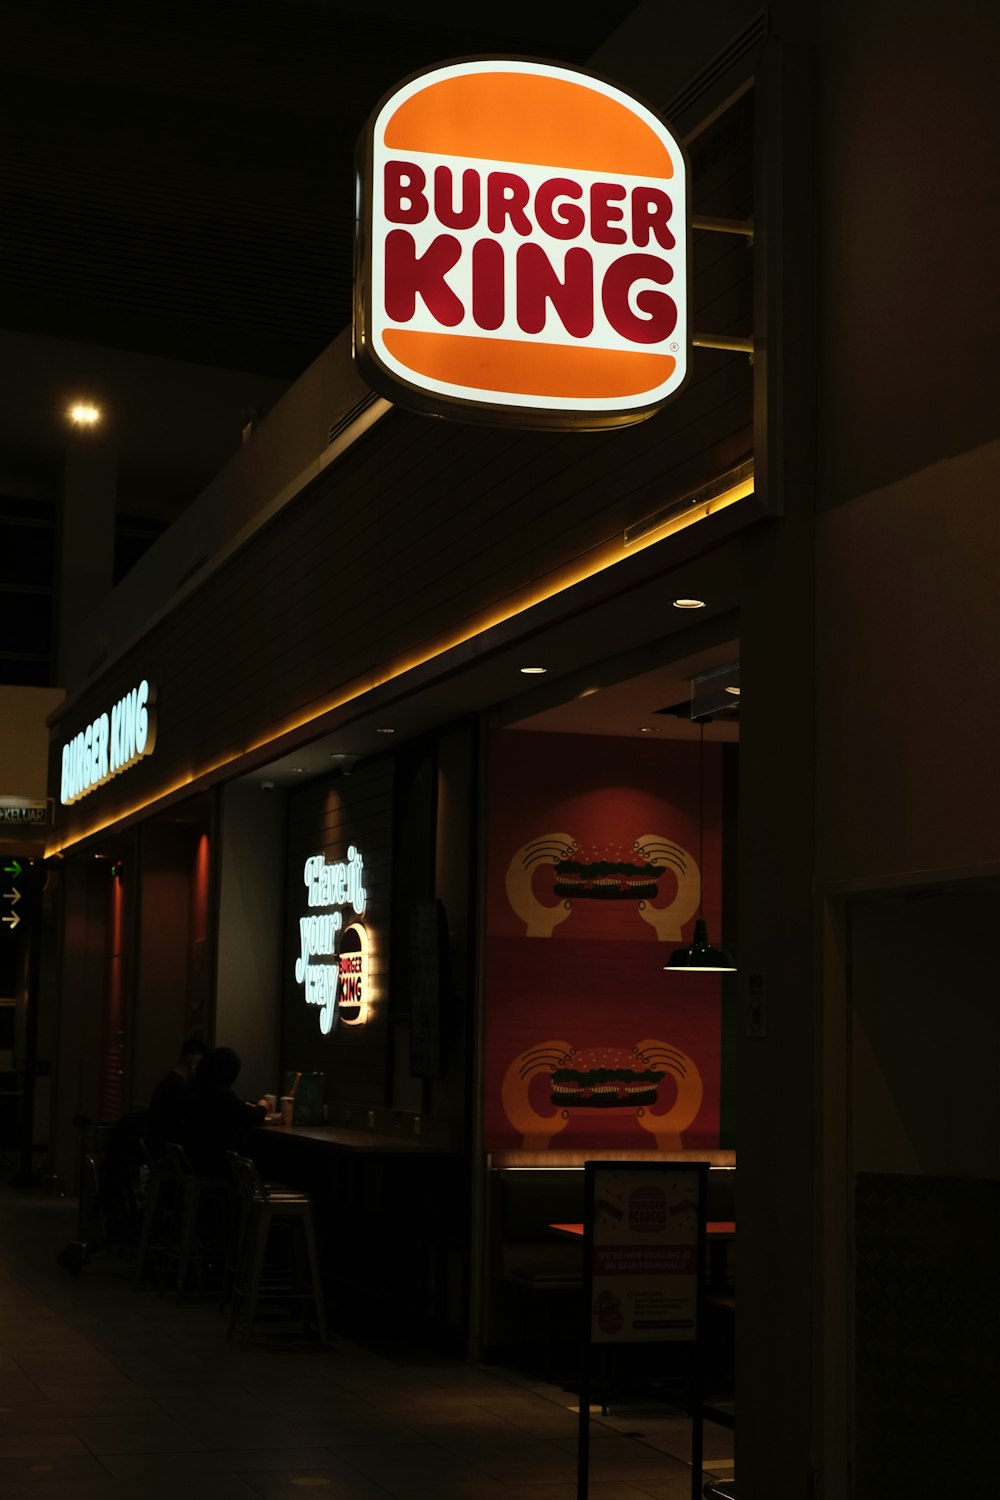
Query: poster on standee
(647, 1236)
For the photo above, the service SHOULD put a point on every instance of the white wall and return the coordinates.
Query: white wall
(24, 739)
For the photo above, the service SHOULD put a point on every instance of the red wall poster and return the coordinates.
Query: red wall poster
(593, 880)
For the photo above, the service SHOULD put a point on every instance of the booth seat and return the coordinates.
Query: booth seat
(531, 1270)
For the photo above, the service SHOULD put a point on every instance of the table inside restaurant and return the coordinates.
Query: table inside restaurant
(343, 1138)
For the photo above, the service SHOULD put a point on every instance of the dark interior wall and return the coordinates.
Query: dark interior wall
(908, 459)
(906, 721)
(910, 220)
(925, 1117)
(412, 816)
(327, 818)
(163, 943)
(925, 1034)
(76, 1060)
(250, 932)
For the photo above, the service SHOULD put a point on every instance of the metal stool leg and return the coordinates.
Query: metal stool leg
(317, 1285)
(258, 1253)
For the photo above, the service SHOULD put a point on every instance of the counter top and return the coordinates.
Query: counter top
(342, 1139)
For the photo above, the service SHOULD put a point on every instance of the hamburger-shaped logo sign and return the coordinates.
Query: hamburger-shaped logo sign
(522, 248)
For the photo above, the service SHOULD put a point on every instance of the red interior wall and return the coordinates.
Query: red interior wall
(594, 989)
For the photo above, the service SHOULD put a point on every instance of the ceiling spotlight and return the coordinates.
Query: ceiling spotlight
(533, 671)
(689, 603)
(84, 414)
(648, 729)
(345, 761)
(734, 690)
(385, 731)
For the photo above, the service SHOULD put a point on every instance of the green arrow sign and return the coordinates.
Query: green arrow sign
(12, 869)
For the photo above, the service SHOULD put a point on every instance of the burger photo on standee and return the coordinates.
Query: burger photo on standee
(522, 248)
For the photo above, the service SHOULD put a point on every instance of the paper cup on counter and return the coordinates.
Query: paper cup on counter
(271, 1100)
(287, 1109)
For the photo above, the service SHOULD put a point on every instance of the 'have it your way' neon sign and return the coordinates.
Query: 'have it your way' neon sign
(332, 965)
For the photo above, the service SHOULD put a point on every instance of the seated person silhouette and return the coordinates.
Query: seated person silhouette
(164, 1120)
(215, 1119)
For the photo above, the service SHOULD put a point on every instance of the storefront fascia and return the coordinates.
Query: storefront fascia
(592, 592)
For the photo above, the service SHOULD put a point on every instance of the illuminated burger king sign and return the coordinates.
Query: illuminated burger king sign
(332, 964)
(522, 248)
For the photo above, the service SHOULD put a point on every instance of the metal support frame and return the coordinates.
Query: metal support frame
(742, 227)
(722, 341)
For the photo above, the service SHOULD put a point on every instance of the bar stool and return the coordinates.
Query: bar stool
(237, 1225)
(197, 1197)
(160, 1218)
(261, 1209)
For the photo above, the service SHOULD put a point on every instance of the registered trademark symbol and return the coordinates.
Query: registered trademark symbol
(673, 348)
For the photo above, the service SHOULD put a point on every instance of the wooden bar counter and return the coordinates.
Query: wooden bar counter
(393, 1223)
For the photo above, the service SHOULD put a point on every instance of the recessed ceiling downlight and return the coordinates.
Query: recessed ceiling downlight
(534, 671)
(689, 604)
(84, 414)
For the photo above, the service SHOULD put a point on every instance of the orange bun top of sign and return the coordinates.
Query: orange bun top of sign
(522, 249)
(528, 117)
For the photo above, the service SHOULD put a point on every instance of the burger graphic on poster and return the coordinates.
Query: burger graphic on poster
(655, 1082)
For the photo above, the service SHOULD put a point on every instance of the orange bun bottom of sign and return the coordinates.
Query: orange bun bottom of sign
(551, 370)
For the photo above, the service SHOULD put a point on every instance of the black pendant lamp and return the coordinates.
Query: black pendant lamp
(701, 956)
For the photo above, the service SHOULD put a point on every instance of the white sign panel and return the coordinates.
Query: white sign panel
(522, 248)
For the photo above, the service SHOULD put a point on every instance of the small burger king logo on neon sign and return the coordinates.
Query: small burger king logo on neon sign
(522, 248)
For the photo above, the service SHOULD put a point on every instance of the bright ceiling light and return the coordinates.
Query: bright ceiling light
(734, 690)
(689, 604)
(533, 671)
(84, 414)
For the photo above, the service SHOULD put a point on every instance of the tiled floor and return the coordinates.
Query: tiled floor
(108, 1394)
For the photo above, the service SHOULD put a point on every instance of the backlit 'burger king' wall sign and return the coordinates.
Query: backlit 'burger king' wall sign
(522, 248)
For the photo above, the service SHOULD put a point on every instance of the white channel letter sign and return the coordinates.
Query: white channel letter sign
(109, 745)
(522, 251)
(332, 965)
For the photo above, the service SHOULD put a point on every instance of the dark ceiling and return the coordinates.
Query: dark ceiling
(176, 178)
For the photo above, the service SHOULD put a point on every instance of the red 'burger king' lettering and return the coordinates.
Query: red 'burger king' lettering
(657, 315)
(509, 200)
(536, 218)
(409, 275)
